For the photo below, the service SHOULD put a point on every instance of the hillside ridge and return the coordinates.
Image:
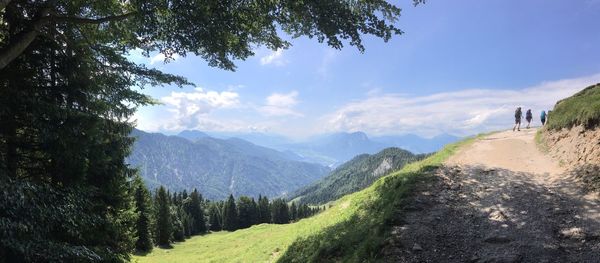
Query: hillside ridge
(354, 175)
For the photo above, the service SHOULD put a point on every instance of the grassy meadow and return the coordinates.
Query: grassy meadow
(351, 229)
(583, 108)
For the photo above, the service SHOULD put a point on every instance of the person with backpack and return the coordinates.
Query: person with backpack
(543, 118)
(518, 116)
(528, 117)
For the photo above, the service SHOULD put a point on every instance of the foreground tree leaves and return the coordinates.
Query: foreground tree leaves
(219, 31)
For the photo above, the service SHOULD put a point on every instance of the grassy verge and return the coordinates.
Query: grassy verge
(540, 141)
(351, 230)
(582, 108)
(360, 236)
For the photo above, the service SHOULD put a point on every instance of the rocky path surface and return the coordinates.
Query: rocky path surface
(498, 200)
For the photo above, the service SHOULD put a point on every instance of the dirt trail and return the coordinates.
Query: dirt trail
(498, 200)
(515, 151)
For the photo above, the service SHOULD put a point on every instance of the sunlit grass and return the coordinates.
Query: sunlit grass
(582, 108)
(351, 229)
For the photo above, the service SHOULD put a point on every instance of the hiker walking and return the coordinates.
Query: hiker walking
(543, 118)
(518, 116)
(528, 117)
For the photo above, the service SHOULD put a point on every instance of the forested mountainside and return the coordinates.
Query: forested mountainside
(354, 175)
(218, 167)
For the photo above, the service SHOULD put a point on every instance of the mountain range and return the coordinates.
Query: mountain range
(218, 167)
(334, 149)
(218, 164)
(354, 175)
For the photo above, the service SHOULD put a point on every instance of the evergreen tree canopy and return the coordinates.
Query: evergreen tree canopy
(293, 212)
(164, 227)
(230, 215)
(143, 241)
(194, 209)
(247, 212)
(215, 217)
(280, 212)
(264, 209)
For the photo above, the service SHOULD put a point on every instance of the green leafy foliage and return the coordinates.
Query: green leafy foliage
(218, 31)
(583, 108)
(66, 218)
(354, 175)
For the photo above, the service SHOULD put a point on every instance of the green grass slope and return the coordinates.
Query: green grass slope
(351, 230)
(583, 108)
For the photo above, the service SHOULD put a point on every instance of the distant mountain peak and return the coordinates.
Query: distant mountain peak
(192, 135)
(360, 135)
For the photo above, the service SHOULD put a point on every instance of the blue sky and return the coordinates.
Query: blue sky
(461, 67)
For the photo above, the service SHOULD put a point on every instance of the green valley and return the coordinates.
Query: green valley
(349, 226)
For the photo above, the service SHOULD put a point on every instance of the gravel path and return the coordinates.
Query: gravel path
(498, 200)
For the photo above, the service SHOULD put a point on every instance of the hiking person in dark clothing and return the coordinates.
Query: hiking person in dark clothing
(543, 118)
(518, 116)
(528, 117)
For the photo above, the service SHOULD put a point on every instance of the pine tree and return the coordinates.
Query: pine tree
(255, 219)
(247, 212)
(143, 241)
(264, 210)
(301, 211)
(164, 227)
(178, 226)
(293, 212)
(194, 208)
(230, 215)
(215, 217)
(186, 219)
(280, 212)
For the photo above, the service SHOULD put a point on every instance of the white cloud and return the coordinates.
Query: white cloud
(160, 57)
(275, 58)
(280, 104)
(191, 109)
(462, 112)
(328, 58)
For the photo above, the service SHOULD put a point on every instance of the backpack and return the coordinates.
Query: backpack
(528, 114)
(518, 113)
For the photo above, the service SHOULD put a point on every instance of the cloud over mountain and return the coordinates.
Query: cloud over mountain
(460, 112)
